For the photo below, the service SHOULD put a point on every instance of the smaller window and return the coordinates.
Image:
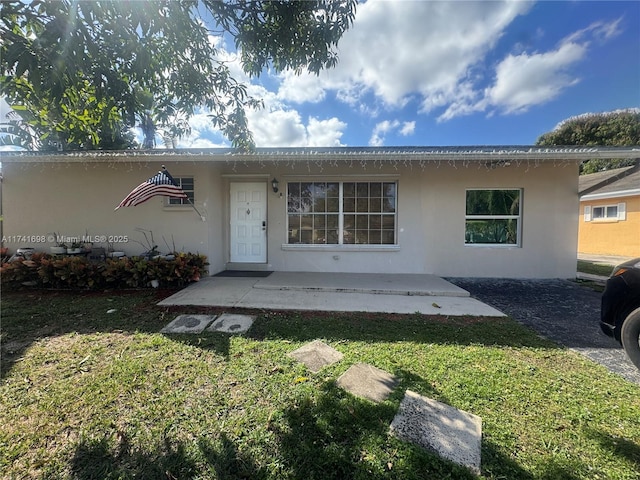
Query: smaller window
(605, 212)
(493, 217)
(187, 185)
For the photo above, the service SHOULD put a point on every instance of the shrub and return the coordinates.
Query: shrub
(19, 273)
(46, 271)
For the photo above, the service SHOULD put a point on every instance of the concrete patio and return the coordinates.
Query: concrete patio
(347, 292)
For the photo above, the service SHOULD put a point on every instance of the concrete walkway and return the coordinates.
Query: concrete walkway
(346, 292)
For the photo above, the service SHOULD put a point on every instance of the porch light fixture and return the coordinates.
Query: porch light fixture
(275, 184)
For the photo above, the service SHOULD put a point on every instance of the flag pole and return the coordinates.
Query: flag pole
(164, 169)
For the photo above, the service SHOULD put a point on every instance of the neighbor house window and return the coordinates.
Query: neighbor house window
(187, 185)
(609, 211)
(493, 217)
(605, 212)
(341, 213)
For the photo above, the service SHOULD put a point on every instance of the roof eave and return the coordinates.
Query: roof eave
(616, 194)
(417, 154)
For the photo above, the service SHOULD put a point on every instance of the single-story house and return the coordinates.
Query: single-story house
(609, 219)
(449, 211)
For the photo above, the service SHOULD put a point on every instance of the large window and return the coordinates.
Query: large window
(341, 213)
(493, 217)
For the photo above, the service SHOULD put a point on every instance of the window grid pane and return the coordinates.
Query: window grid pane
(368, 216)
(598, 212)
(604, 212)
(188, 187)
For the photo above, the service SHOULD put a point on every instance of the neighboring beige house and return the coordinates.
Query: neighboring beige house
(449, 211)
(609, 221)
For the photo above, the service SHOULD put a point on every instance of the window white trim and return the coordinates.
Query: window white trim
(608, 213)
(339, 248)
(517, 217)
(587, 213)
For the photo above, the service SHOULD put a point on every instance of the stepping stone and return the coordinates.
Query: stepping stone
(188, 324)
(232, 323)
(316, 355)
(451, 433)
(368, 382)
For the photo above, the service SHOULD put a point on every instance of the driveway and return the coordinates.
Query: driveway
(560, 310)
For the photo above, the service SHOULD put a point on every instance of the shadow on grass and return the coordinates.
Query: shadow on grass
(621, 447)
(334, 435)
(100, 459)
(327, 434)
(28, 317)
(218, 342)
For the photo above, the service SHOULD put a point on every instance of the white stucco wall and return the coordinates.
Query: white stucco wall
(430, 221)
(74, 198)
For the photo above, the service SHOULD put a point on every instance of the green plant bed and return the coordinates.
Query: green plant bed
(78, 273)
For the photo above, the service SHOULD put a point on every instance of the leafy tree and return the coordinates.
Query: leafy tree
(81, 73)
(617, 128)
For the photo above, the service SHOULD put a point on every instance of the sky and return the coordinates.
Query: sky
(448, 73)
(435, 73)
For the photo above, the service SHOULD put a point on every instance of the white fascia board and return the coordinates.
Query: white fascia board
(602, 196)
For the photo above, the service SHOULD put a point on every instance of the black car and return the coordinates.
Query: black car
(620, 309)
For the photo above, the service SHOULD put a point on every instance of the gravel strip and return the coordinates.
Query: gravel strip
(559, 310)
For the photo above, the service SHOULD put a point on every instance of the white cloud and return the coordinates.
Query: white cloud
(402, 50)
(203, 134)
(385, 127)
(601, 31)
(325, 133)
(408, 128)
(529, 79)
(526, 80)
(432, 53)
(276, 125)
(277, 128)
(300, 89)
(203, 143)
(285, 128)
(380, 130)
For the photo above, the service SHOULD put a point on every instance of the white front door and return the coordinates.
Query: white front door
(248, 222)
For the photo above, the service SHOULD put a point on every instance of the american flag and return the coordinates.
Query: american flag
(161, 183)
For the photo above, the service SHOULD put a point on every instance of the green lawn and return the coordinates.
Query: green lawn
(594, 268)
(88, 394)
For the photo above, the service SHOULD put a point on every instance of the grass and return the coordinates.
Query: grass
(90, 394)
(594, 268)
